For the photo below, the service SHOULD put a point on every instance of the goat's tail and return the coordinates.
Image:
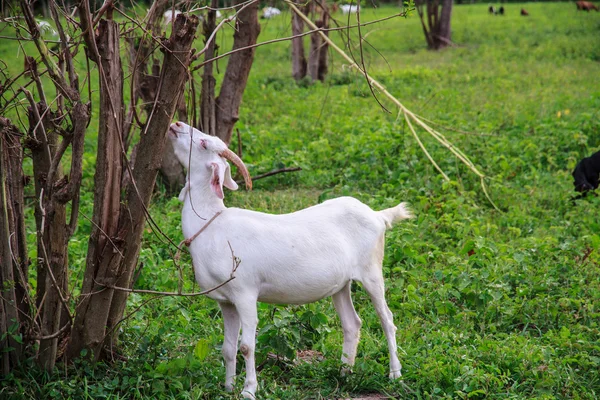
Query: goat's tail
(395, 214)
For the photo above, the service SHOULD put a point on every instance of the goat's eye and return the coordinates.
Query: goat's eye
(203, 144)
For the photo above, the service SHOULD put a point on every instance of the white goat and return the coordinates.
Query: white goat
(293, 258)
(270, 12)
(46, 29)
(349, 8)
(170, 15)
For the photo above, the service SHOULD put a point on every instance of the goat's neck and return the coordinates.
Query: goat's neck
(199, 200)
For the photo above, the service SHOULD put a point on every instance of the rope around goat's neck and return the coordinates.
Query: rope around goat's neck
(189, 241)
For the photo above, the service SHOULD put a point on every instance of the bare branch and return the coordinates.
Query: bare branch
(235, 264)
(274, 172)
(53, 69)
(219, 26)
(362, 60)
(52, 336)
(87, 29)
(288, 38)
(64, 44)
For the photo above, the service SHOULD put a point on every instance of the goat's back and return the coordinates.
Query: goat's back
(291, 258)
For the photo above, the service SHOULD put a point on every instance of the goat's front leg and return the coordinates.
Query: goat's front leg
(350, 324)
(247, 312)
(231, 323)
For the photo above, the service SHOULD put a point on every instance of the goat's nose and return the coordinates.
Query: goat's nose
(178, 124)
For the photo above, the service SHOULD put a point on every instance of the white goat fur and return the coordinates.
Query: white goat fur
(293, 258)
(349, 9)
(169, 16)
(270, 12)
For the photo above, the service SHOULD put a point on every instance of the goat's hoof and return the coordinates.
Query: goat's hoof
(346, 371)
(395, 374)
(248, 395)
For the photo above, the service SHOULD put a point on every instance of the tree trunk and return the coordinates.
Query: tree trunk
(298, 60)
(316, 67)
(53, 192)
(139, 56)
(107, 193)
(208, 114)
(13, 251)
(51, 223)
(15, 181)
(324, 51)
(437, 30)
(317, 58)
(132, 217)
(237, 72)
(145, 86)
(443, 36)
(115, 258)
(314, 56)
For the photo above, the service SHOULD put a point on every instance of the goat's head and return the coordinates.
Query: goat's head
(207, 156)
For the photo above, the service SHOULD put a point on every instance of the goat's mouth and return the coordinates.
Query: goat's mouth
(172, 132)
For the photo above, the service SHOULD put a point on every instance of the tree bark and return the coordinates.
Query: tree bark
(237, 72)
(144, 86)
(324, 51)
(15, 181)
(443, 38)
(437, 30)
(13, 252)
(107, 193)
(139, 56)
(316, 67)
(208, 113)
(101, 309)
(53, 191)
(150, 153)
(317, 58)
(314, 55)
(51, 224)
(298, 60)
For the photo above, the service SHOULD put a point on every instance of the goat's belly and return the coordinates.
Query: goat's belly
(275, 294)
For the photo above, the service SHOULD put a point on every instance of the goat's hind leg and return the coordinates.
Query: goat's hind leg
(350, 324)
(373, 284)
(231, 323)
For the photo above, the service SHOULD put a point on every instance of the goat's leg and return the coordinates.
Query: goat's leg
(350, 324)
(374, 286)
(247, 311)
(231, 322)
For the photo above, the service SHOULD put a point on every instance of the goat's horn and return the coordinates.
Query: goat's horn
(231, 156)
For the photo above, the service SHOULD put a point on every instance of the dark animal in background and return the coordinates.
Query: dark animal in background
(492, 10)
(586, 6)
(501, 10)
(524, 12)
(587, 173)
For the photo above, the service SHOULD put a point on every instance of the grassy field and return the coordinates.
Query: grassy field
(488, 304)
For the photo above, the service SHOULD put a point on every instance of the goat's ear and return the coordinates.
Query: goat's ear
(228, 181)
(216, 182)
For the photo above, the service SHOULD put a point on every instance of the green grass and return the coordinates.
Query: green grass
(488, 304)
